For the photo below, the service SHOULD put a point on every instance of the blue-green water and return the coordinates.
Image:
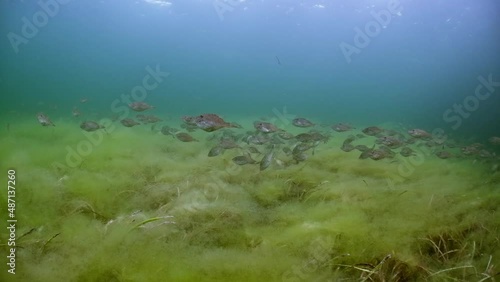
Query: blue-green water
(432, 65)
(426, 60)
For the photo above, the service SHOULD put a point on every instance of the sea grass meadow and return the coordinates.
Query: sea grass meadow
(155, 140)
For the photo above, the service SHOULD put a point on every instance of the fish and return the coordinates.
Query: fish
(276, 141)
(316, 136)
(300, 157)
(302, 147)
(287, 151)
(266, 160)
(84, 100)
(302, 122)
(494, 140)
(189, 120)
(387, 151)
(390, 132)
(185, 137)
(228, 143)
(215, 151)
(257, 139)
(211, 122)
(471, 149)
(372, 130)
(285, 135)
(342, 127)
(253, 150)
(243, 160)
(140, 106)
(377, 154)
(485, 154)
(349, 139)
(90, 126)
(391, 142)
(189, 123)
(76, 112)
(347, 147)
(128, 122)
(44, 120)
(406, 152)
(365, 154)
(361, 148)
(265, 127)
(148, 118)
(304, 137)
(443, 154)
(167, 130)
(153, 128)
(419, 133)
(189, 127)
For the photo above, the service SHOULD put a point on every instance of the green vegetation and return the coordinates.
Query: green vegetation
(146, 207)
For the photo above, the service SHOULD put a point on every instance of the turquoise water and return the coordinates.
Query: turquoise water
(426, 59)
(432, 65)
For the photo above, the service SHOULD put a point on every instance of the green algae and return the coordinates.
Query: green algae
(143, 206)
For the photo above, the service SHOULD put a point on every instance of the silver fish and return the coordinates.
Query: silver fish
(372, 130)
(215, 151)
(341, 127)
(362, 148)
(406, 152)
(419, 133)
(257, 139)
(128, 122)
(347, 147)
(76, 112)
(302, 122)
(211, 122)
(44, 120)
(300, 157)
(302, 147)
(148, 118)
(494, 140)
(266, 160)
(285, 135)
(228, 143)
(391, 142)
(444, 154)
(185, 137)
(287, 151)
(243, 160)
(167, 130)
(90, 126)
(253, 150)
(265, 127)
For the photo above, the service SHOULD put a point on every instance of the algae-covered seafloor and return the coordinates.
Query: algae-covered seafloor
(142, 206)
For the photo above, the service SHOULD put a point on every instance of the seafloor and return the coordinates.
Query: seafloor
(142, 206)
